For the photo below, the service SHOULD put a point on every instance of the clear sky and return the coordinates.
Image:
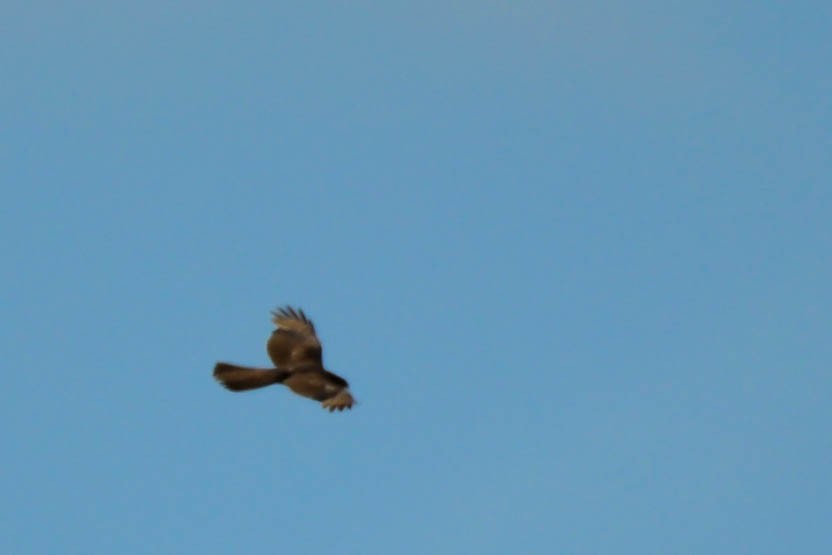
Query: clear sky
(573, 257)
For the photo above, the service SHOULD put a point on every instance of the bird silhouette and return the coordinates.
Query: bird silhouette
(296, 352)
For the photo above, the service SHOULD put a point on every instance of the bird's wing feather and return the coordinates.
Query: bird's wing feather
(294, 343)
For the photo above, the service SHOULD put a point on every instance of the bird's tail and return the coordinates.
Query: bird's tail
(240, 378)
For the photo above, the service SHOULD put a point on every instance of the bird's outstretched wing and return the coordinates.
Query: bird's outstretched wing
(243, 378)
(294, 342)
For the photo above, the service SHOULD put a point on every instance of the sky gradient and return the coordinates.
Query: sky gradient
(573, 258)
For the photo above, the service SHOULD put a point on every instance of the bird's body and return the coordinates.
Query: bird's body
(296, 352)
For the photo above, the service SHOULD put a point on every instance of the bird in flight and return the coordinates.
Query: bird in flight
(296, 352)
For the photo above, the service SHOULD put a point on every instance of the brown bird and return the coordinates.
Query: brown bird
(295, 350)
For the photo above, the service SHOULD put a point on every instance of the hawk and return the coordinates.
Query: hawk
(296, 352)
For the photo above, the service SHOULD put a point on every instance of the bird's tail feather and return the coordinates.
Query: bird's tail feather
(241, 378)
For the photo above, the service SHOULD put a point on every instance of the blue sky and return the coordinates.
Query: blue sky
(573, 257)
